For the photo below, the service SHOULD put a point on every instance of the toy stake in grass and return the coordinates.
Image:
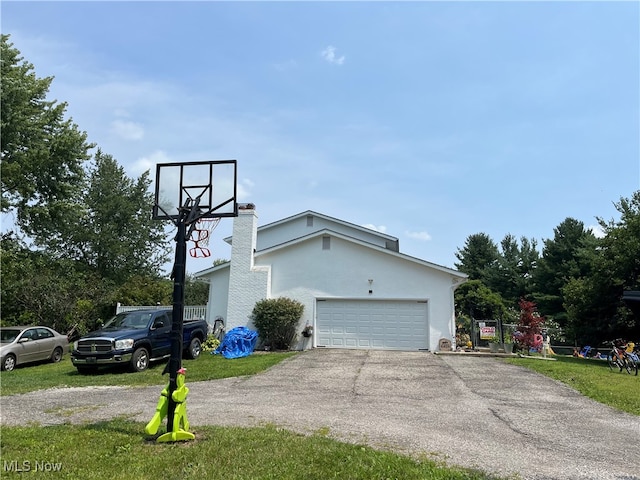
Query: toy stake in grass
(180, 423)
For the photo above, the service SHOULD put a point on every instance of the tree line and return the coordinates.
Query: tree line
(78, 236)
(577, 280)
(81, 237)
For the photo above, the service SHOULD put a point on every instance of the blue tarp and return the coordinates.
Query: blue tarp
(237, 342)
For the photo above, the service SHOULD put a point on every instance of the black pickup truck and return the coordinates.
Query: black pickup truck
(135, 339)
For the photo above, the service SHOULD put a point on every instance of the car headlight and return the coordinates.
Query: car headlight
(75, 345)
(124, 344)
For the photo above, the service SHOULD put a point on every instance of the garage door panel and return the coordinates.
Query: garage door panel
(375, 324)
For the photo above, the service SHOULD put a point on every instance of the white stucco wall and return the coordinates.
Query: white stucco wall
(218, 294)
(305, 272)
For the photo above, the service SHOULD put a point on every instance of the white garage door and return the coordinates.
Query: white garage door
(372, 324)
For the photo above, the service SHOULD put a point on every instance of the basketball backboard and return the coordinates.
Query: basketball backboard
(209, 184)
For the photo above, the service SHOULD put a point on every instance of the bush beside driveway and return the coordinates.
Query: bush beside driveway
(474, 412)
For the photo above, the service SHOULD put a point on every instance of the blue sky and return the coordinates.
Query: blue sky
(430, 121)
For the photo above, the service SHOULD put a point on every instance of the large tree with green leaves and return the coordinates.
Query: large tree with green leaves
(84, 227)
(111, 231)
(39, 289)
(475, 299)
(594, 302)
(42, 152)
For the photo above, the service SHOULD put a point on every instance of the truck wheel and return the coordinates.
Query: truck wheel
(140, 360)
(195, 347)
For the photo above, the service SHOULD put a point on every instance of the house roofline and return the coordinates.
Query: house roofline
(326, 217)
(373, 246)
(215, 268)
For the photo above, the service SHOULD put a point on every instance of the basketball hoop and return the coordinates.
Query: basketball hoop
(200, 237)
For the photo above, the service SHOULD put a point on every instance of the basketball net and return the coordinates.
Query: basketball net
(200, 237)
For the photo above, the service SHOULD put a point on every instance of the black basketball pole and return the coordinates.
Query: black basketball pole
(179, 268)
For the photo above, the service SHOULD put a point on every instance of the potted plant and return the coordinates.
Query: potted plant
(308, 331)
(494, 344)
(507, 335)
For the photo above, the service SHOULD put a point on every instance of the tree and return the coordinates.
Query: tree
(42, 154)
(566, 256)
(112, 231)
(475, 299)
(594, 302)
(529, 325)
(478, 253)
(196, 291)
(39, 289)
(511, 274)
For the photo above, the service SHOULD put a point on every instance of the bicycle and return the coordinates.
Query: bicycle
(620, 358)
(633, 359)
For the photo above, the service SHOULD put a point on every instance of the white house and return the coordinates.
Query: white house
(357, 289)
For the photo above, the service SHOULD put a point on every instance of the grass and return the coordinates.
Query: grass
(64, 374)
(592, 378)
(117, 450)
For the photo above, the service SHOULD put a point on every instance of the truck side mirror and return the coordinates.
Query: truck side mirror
(158, 323)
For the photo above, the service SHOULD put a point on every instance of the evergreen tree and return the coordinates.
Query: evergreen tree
(568, 255)
(479, 253)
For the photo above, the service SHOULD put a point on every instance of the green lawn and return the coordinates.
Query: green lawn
(118, 449)
(592, 378)
(64, 374)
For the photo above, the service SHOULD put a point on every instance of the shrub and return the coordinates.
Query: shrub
(276, 320)
(210, 344)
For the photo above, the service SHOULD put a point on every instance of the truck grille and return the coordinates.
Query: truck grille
(95, 346)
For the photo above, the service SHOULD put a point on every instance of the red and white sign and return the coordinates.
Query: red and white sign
(487, 332)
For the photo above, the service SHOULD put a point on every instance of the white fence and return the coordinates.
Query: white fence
(191, 312)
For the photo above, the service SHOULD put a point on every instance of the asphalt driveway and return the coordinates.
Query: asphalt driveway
(470, 411)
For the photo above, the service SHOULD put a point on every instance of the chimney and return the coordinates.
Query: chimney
(243, 244)
(247, 283)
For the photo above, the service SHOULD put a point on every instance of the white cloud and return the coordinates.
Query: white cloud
(148, 163)
(597, 231)
(423, 236)
(127, 130)
(379, 228)
(329, 54)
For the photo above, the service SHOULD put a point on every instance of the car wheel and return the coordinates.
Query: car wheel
(195, 348)
(140, 360)
(9, 363)
(56, 356)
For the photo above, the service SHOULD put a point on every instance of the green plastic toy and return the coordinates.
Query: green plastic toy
(180, 422)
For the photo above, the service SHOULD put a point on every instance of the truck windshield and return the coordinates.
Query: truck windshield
(128, 320)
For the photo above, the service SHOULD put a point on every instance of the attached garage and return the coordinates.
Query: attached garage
(372, 324)
(358, 290)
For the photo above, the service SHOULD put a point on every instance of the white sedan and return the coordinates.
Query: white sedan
(30, 344)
